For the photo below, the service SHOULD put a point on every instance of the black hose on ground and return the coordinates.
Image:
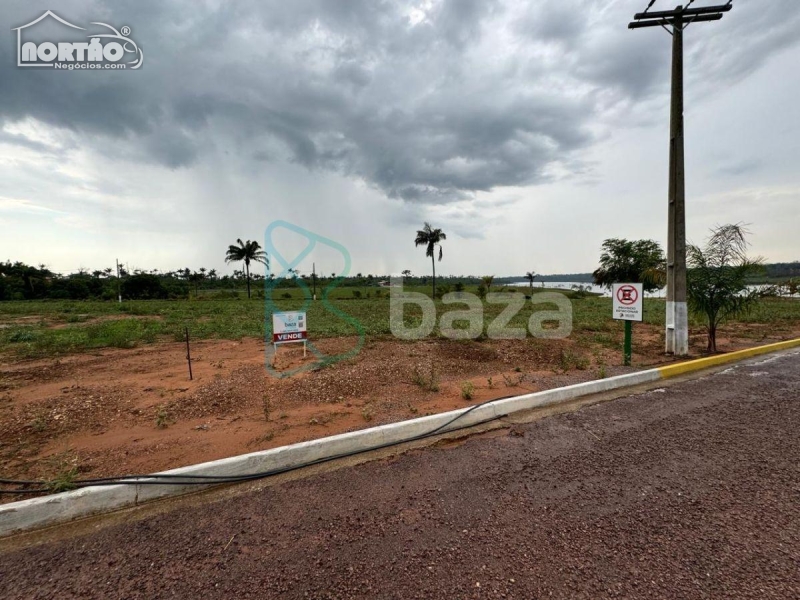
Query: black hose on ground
(175, 479)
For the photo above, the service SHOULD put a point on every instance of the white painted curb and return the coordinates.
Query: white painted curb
(36, 513)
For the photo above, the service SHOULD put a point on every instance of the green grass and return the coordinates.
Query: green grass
(89, 325)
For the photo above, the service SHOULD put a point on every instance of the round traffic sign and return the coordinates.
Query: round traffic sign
(627, 295)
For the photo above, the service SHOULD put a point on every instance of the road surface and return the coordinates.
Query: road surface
(689, 491)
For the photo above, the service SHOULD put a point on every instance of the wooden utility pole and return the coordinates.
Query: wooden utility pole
(675, 22)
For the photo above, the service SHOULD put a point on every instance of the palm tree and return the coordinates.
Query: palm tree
(196, 278)
(530, 276)
(248, 252)
(718, 276)
(487, 281)
(430, 238)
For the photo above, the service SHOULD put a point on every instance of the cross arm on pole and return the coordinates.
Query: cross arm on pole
(661, 22)
(689, 12)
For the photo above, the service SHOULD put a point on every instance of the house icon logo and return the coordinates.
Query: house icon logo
(111, 48)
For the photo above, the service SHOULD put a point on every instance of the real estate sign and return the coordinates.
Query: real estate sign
(289, 327)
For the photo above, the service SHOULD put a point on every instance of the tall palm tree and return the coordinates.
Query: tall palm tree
(430, 238)
(248, 252)
(530, 276)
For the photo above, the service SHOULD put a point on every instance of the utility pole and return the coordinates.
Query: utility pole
(675, 22)
(314, 278)
(119, 284)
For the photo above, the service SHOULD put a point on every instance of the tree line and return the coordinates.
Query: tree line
(719, 274)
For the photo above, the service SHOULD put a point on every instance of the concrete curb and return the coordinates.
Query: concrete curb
(36, 513)
(721, 359)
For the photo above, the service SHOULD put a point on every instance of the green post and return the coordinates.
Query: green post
(627, 348)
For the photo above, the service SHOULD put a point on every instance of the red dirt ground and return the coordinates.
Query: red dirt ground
(116, 411)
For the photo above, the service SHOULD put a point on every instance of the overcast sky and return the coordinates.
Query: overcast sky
(529, 131)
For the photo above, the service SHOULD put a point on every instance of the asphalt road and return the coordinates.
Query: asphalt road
(690, 491)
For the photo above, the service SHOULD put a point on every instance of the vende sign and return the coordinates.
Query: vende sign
(289, 327)
(627, 301)
(298, 336)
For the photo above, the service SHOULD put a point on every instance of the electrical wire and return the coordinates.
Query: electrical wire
(176, 479)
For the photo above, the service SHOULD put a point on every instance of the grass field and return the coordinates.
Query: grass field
(46, 328)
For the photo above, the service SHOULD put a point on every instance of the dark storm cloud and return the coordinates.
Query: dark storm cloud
(429, 106)
(553, 20)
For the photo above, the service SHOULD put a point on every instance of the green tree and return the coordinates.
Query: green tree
(717, 278)
(196, 278)
(143, 287)
(246, 252)
(530, 276)
(430, 238)
(487, 281)
(626, 261)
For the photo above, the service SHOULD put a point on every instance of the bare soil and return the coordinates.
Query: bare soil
(121, 411)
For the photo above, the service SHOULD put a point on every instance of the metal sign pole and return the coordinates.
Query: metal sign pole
(626, 353)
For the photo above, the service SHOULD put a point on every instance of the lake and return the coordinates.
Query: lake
(596, 289)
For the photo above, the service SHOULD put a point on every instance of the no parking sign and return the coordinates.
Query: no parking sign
(627, 301)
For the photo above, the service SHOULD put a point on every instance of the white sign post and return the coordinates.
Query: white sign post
(289, 327)
(627, 303)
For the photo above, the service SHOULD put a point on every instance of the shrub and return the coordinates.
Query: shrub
(143, 287)
(428, 382)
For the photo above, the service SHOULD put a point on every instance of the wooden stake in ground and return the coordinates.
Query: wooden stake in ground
(188, 353)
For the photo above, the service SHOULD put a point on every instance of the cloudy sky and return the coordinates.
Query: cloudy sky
(528, 130)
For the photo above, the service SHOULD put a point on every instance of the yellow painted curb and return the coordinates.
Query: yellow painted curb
(712, 361)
